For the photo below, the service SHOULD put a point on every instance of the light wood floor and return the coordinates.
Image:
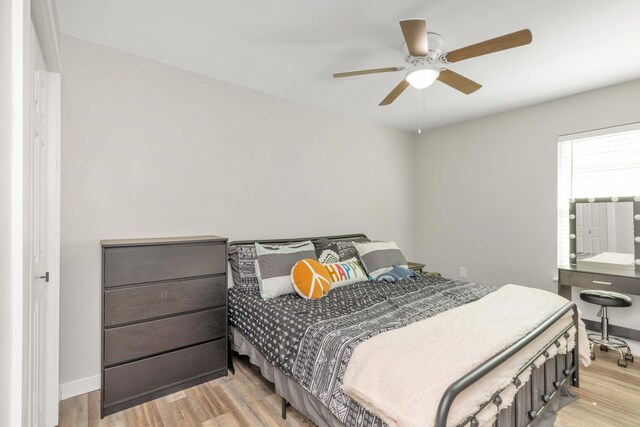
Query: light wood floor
(609, 396)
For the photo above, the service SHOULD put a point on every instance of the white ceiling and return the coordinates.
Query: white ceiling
(290, 48)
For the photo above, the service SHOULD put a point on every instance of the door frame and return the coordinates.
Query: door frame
(52, 344)
(44, 18)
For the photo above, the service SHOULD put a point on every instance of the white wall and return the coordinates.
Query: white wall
(151, 150)
(5, 211)
(486, 192)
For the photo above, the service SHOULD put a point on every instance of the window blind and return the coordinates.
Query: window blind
(601, 163)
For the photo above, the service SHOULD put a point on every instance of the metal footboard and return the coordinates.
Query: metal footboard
(560, 377)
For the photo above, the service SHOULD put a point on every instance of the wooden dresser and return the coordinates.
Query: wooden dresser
(164, 317)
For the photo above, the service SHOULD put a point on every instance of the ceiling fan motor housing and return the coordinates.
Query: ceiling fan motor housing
(436, 43)
(424, 70)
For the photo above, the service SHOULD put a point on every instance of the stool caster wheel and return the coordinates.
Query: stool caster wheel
(593, 356)
(629, 357)
(622, 363)
(604, 348)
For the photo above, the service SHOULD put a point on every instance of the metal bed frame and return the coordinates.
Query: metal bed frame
(548, 394)
(560, 377)
(479, 372)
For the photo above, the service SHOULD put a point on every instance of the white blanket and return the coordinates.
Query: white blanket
(402, 374)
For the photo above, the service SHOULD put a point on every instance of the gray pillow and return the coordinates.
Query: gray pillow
(274, 265)
(242, 260)
(380, 257)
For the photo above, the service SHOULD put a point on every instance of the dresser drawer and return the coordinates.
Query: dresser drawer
(589, 280)
(145, 376)
(139, 264)
(161, 299)
(142, 339)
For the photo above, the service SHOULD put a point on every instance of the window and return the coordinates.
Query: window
(600, 163)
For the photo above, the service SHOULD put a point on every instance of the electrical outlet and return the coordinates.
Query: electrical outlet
(463, 271)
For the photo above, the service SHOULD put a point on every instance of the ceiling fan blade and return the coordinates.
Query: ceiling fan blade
(508, 41)
(458, 82)
(415, 34)
(395, 93)
(371, 71)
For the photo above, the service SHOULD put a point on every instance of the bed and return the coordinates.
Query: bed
(304, 347)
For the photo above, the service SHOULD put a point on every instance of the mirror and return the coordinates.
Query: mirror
(604, 227)
(604, 232)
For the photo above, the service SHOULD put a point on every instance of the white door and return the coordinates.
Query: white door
(35, 195)
(37, 200)
(591, 228)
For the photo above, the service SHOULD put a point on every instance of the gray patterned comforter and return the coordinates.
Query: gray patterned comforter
(312, 341)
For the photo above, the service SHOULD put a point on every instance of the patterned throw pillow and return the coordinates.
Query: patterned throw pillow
(326, 251)
(310, 279)
(329, 251)
(274, 264)
(242, 259)
(345, 272)
(380, 257)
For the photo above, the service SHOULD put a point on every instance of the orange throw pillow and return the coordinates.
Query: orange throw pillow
(310, 279)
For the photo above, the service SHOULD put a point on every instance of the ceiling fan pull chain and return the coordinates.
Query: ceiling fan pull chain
(423, 101)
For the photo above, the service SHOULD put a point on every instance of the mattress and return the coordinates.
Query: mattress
(312, 341)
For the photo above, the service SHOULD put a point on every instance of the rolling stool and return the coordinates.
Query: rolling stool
(607, 299)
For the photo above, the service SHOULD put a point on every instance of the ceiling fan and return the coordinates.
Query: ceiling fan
(428, 63)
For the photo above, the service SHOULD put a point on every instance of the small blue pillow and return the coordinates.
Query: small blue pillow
(398, 273)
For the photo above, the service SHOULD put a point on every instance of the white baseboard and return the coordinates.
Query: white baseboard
(634, 345)
(78, 387)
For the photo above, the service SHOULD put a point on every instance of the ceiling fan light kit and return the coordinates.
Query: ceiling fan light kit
(422, 77)
(426, 61)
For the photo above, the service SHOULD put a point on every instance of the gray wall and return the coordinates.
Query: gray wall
(486, 190)
(151, 150)
(5, 210)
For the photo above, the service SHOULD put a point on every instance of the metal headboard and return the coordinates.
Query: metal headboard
(297, 239)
